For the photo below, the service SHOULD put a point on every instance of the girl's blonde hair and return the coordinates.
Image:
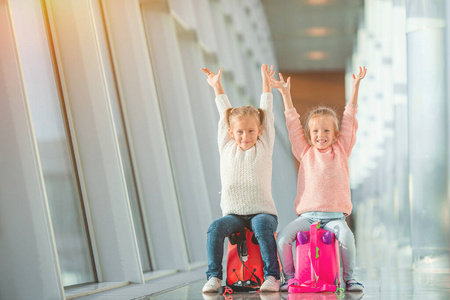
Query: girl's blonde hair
(239, 113)
(321, 111)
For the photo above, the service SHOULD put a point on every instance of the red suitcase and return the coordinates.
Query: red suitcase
(244, 263)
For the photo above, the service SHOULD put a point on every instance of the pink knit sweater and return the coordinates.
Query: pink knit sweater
(323, 176)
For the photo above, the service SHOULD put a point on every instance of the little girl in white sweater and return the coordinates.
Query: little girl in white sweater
(246, 137)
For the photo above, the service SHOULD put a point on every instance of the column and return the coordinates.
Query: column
(428, 132)
(447, 59)
(400, 97)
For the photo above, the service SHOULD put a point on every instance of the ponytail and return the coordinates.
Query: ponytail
(228, 115)
(262, 115)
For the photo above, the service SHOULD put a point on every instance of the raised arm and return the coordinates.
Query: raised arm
(266, 74)
(266, 103)
(222, 102)
(284, 87)
(295, 129)
(214, 80)
(268, 128)
(349, 125)
(355, 87)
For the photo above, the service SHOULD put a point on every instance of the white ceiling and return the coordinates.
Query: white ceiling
(313, 35)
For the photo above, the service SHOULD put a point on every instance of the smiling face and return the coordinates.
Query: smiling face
(322, 132)
(245, 131)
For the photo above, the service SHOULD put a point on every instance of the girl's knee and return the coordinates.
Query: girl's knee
(218, 227)
(263, 232)
(345, 236)
(264, 224)
(283, 241)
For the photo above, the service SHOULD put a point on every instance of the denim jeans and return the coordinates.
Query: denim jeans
(264, 227)
(338, 226)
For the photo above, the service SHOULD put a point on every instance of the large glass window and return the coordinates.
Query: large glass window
(63, 192)
(69, 219)
(126, 158)
(60, 177)
(131, 187)
(179, 128)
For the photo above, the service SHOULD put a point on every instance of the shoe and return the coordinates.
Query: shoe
(270, 284)
(212, 285)
(284, 287)
(353, 286)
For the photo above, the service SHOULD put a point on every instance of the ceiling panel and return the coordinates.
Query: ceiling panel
(313, 34)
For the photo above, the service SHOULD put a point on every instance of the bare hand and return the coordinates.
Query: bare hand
(360, 76)
(281, 85)
(266, 73)
(213, 79)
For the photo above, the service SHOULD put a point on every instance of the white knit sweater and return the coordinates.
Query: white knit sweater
(246, 175)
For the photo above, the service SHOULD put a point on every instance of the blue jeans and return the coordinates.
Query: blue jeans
(264, 227)
(338, 226)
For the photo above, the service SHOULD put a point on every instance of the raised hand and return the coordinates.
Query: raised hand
(356, 80)
(266, 73)
(284, 87)
(360, 76)
(281, 85)
(213, 79)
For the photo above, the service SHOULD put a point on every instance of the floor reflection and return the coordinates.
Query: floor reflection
(380, 283)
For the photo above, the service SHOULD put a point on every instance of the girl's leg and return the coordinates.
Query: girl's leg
(264, 227)
(284, 244)
(346, 246)
(217, 232)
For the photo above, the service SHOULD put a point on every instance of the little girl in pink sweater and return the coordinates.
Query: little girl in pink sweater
(323, 191)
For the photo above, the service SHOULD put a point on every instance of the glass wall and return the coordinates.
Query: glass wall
(124, 143)
(179, 127)
(400, 172)
(62, 187)
(117, 131)
(131, 184)
(56, 156)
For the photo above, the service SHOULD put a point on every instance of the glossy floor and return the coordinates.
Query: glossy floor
(386, 273)
(380, 283)
(385, 283)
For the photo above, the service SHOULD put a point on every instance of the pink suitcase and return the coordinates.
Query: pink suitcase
(317, 263)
